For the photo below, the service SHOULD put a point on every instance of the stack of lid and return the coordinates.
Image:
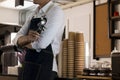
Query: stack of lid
(71, 52)
(64, 58)
(79, 54)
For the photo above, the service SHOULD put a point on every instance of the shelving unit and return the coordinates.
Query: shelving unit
(114, 29)
(112, 19)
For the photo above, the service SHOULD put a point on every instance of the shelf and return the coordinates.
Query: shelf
(115, 18)
(116, 77)
(116, 35)
(8, 78)
(94, 77)
(112, 4)
(115, 1)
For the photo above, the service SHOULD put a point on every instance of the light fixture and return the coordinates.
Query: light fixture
(2, 0)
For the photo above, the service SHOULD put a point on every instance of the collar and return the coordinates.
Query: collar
(44, 8)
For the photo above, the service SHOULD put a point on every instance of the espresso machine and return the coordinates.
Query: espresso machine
(9, 58)
(115, 66)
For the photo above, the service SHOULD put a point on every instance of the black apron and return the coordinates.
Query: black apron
(38, 65)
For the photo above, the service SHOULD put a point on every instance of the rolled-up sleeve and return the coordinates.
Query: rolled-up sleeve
(23, 31)
(55, 20)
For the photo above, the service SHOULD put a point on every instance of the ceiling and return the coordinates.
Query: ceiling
(63, 3)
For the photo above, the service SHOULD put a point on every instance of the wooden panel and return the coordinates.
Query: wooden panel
(8, 78)
(102, 41)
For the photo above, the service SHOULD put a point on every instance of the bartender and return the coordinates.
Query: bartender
(41, 37)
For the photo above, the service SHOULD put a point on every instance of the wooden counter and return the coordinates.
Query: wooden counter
(94, 77)
(7, 77)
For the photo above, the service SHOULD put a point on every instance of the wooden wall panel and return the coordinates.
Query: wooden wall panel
(102, 40)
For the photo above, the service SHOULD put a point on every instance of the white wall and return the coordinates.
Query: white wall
(80, 19)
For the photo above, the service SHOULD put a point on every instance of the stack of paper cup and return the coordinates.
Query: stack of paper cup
(64, 58)
(71, 52)
(79, 54)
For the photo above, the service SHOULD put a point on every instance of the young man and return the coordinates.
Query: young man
(41, 47)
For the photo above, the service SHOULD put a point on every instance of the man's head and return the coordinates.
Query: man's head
(41, 2)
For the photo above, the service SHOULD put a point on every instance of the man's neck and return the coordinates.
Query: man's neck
(43, 4)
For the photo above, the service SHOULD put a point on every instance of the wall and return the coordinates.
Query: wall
(80, 19)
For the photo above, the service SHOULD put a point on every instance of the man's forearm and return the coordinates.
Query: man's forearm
(23, 41)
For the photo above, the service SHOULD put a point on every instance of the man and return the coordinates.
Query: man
(41, 48)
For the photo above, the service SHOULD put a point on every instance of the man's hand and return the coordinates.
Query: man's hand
(33, 35)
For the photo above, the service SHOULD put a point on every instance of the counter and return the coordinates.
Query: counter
(8, 77)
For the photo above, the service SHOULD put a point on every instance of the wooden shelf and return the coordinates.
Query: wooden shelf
(116, 35)
(94, 77)
(115, 1)
(115, 18)
(8, 78)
